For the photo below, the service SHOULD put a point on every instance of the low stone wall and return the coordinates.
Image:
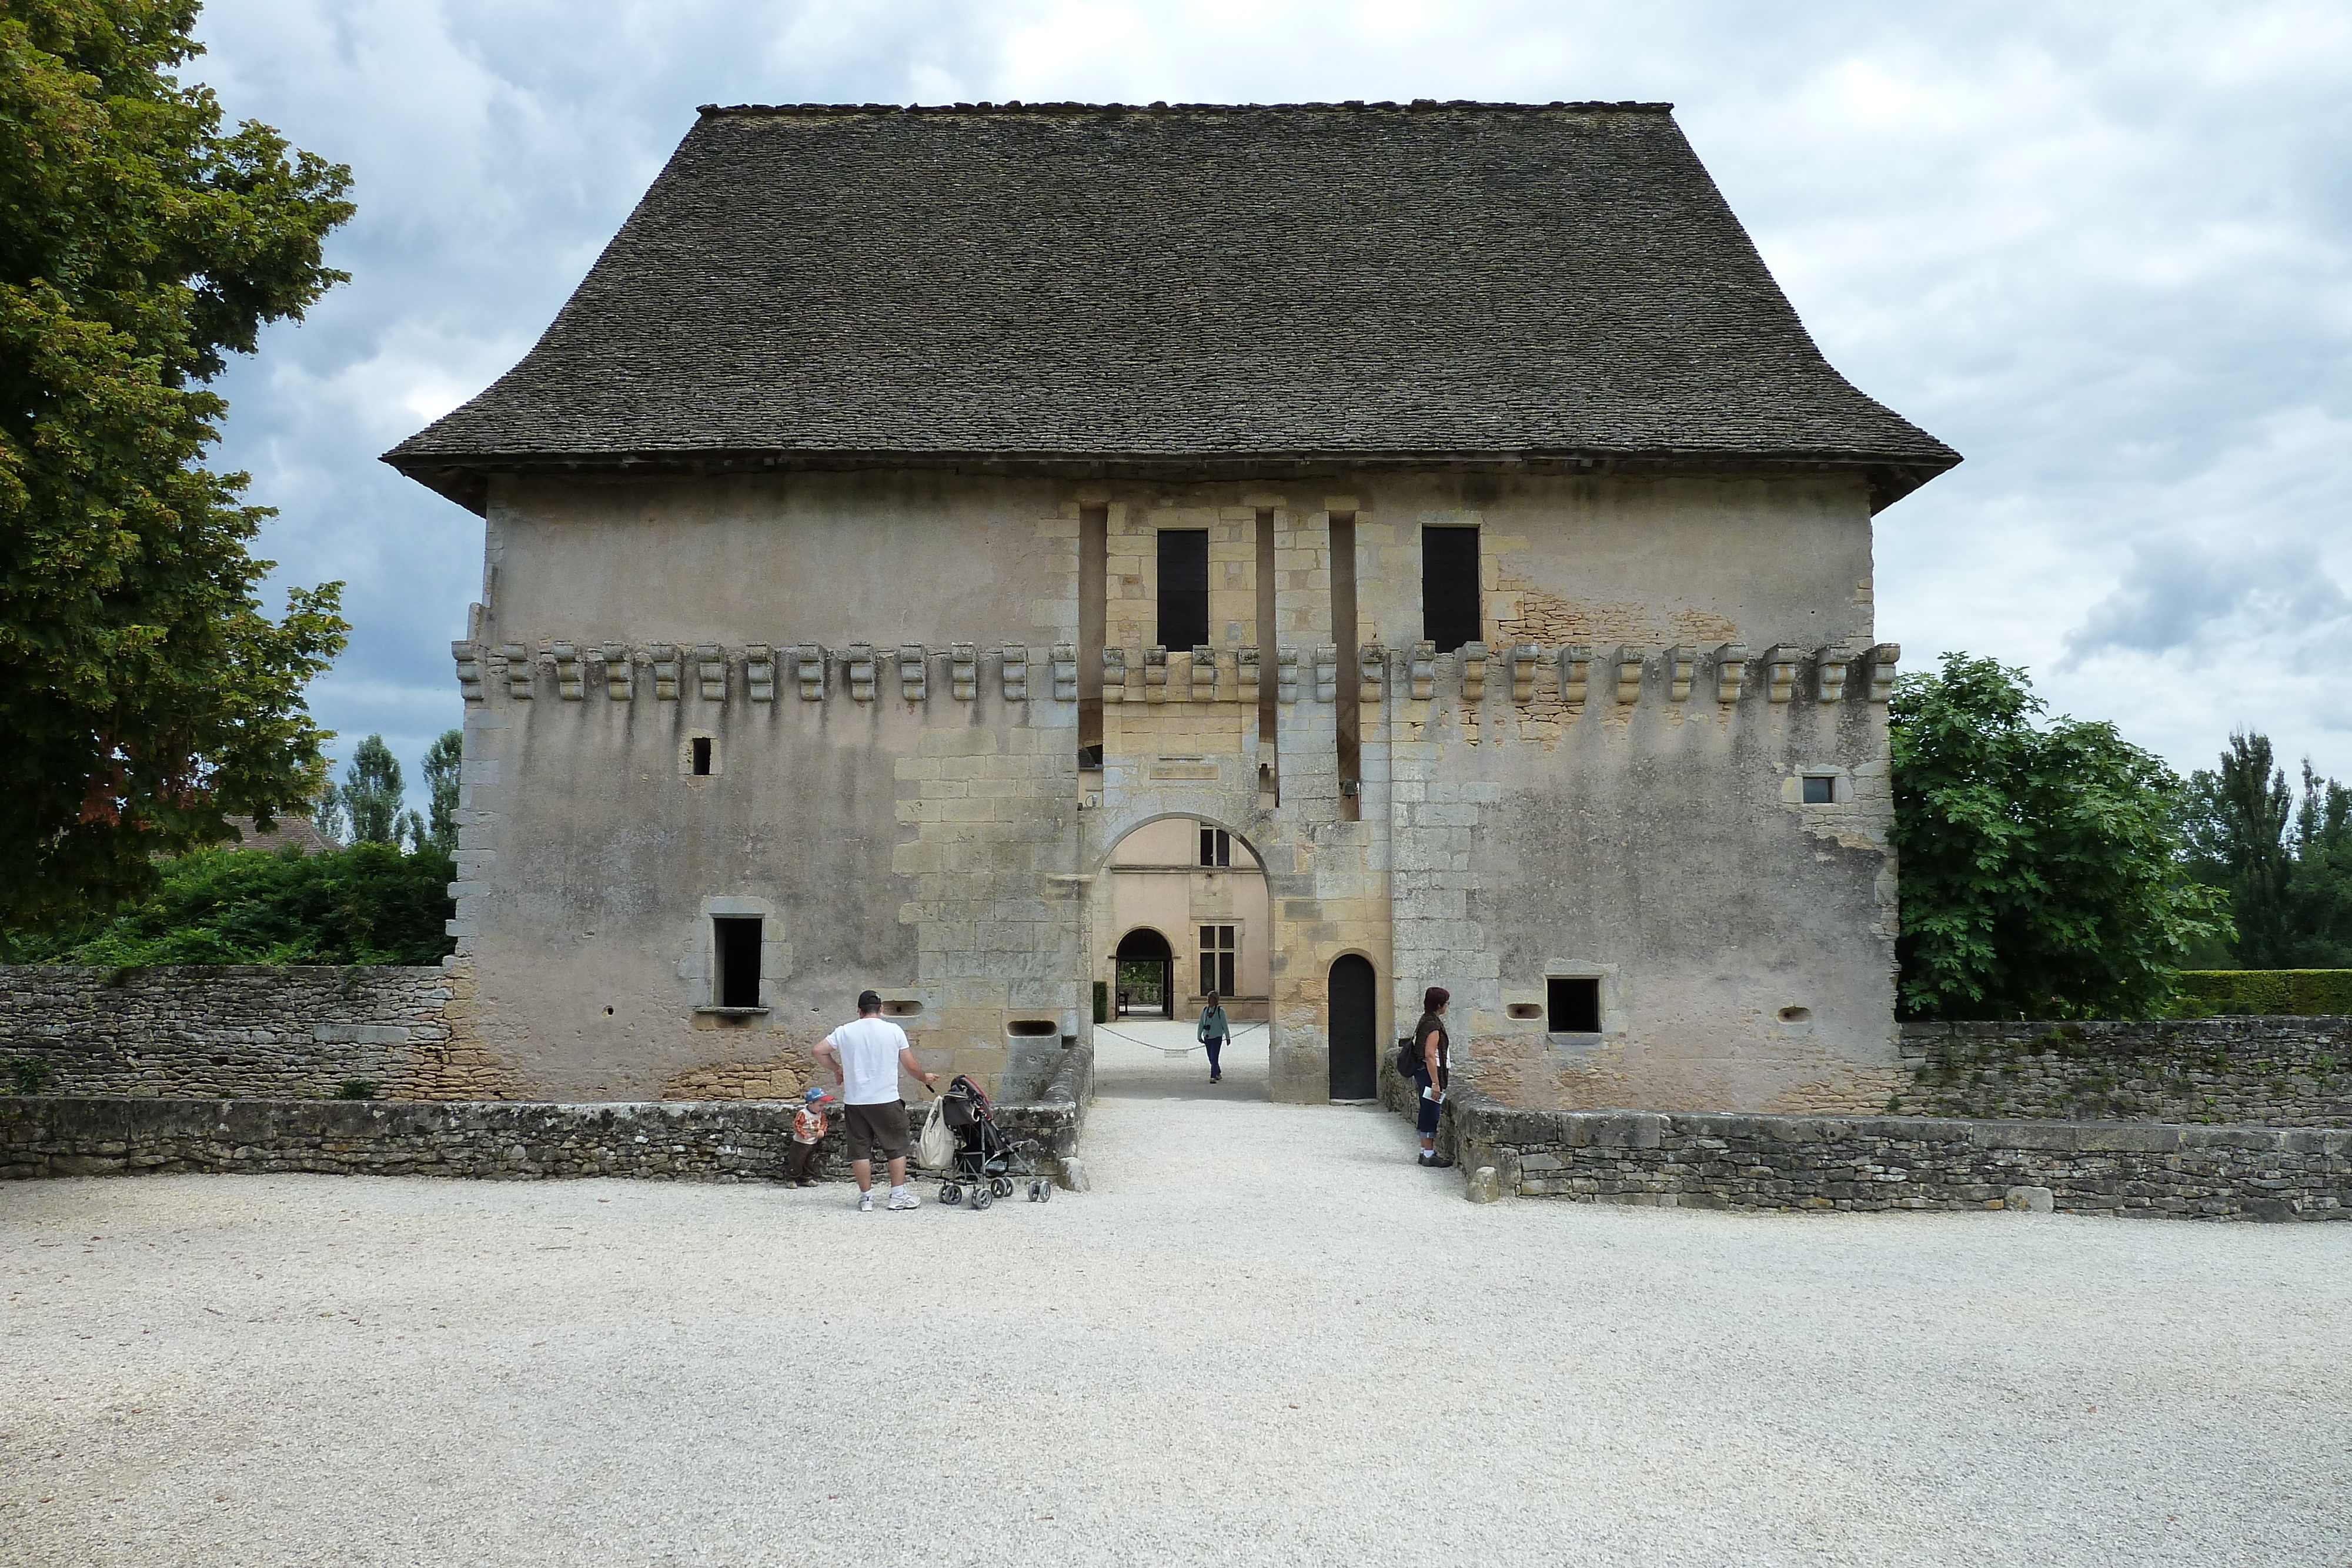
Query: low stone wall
(739, 1141)
(2278, 1072)
(243, 1031)
(1899, 1163)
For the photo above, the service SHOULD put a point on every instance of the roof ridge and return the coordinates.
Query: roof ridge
(1015, 106)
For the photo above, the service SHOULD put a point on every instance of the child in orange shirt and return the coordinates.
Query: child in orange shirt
(808, 1131)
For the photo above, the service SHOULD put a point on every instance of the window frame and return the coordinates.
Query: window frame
(1219, 963)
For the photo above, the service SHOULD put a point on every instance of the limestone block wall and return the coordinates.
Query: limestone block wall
(2273, 1071)
(245, 1032)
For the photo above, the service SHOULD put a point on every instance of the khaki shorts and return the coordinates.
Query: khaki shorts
(871, 1127)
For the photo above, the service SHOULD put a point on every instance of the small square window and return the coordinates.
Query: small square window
(1572, 1005)
(1820, 789)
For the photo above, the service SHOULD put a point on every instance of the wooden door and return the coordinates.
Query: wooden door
(1353, 1031)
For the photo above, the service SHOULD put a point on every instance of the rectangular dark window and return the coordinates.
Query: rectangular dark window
(700, 747)
(1217, 960)
(1216, 847)
(1183, 588)
(735, 943)
(1449, 587)
(1820, 789)
(1572, 1006)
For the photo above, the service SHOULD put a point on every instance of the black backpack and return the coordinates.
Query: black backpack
(1408, 1058)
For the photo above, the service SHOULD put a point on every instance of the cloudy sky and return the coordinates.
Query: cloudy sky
(2104, 250)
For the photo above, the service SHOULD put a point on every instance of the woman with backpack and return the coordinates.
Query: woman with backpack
(1428, 1051)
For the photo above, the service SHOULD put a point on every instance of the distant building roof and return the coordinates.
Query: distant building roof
(1202, 285)
(300, 831)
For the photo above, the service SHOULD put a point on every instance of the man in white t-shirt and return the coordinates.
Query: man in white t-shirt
(864, 1059)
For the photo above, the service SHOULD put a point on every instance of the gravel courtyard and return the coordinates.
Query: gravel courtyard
(1263, 1337)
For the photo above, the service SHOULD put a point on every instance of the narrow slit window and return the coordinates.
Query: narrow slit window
(1820, 789)
(736, 946)
(1217, 960)
(1449, 587)
(1572, 1005)
(698, 749)
(1216, 847)
(1183, 588)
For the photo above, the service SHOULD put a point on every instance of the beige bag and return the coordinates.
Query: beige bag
(935, 1148)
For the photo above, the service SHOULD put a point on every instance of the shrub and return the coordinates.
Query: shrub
(2306, 993)
(368, 904)
(29, 1073)
(357, 1089)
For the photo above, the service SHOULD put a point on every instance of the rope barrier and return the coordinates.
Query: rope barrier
(1173, 1051)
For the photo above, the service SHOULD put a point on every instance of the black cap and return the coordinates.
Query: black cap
(868, 1002)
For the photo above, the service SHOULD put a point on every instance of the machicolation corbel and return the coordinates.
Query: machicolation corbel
(963, 671)
(1524, 656)
(469, 670)
(1474, 672)
(861, 672)
(1013, 663)
(664, 662)
(1575, 666)
(1372, 670)
(1326, 673)
(1114, 679)
(1629, 676)
(1681, 665)
(1881, 660)
(567, 670)
(1065, 672)
(1245, 675)
(1286, 674)
(1204, 674)
(808, 660)
(1422, 670)
(1829, 674)
(759, 673)
(1155, 674)
(1731, 671)
(1780, 664)
(914, 673)
(711, 670)
(519, 671)
(620, 672)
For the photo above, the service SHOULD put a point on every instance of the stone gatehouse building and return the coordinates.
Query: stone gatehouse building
(1440, 500)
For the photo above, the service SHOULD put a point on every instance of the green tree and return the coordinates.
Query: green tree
(143, 691)
(2041, 864)
(2237, 819)
(368, 904)
(442, 763)
(365, 806)
(2286, 864)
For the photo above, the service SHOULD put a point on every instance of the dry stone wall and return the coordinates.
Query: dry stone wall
(1901, 1163)
(2269, 1071)
(244, 1032)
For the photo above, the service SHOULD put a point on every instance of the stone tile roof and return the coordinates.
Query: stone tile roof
(1198, 284)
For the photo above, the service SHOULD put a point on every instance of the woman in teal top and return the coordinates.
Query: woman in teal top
(1212, 1034)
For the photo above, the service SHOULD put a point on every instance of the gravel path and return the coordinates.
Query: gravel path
(1263, 1337)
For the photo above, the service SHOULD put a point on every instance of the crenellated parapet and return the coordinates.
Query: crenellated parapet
(915, 674)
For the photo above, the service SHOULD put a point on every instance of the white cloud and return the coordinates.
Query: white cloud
(2105, 251)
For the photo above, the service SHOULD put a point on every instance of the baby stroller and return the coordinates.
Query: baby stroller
(987, 1164)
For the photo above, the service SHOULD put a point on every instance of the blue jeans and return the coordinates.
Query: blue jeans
(1429, 1109)
(1214, 1046)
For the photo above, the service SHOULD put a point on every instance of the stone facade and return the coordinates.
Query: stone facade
(908, 810)
(2270, 1071)
(246, 1032)
(1896, 1163)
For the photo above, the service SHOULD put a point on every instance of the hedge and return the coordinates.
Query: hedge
(2307, 993)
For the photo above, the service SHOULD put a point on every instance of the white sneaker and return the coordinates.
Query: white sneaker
(864, 1203)
(907, 1200)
